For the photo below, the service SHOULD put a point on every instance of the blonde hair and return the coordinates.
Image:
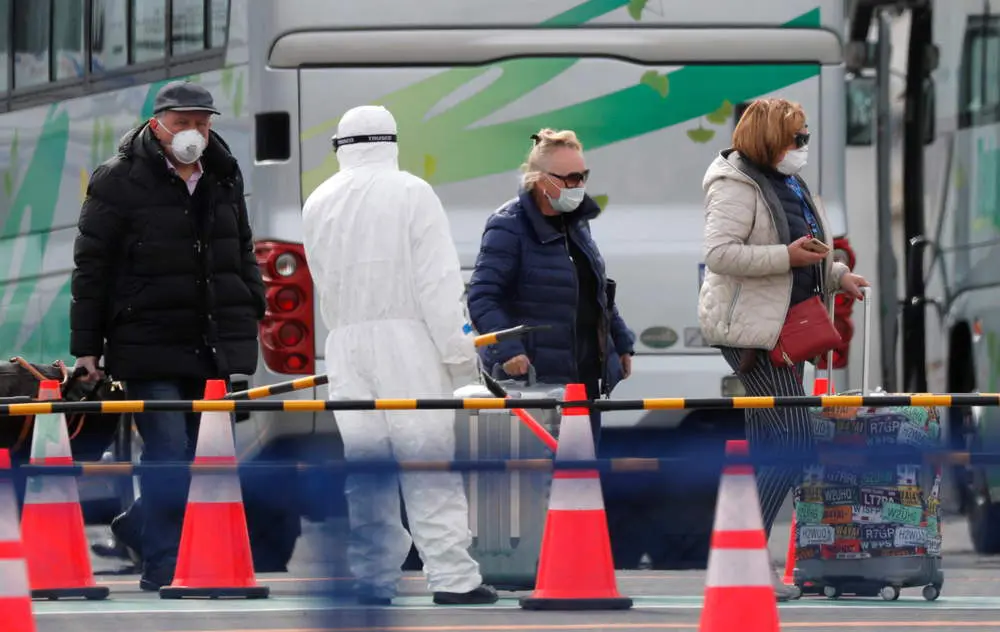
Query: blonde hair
(766, 129)
(546, 141)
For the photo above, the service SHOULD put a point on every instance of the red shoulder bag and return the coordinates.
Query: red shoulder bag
(807, 333)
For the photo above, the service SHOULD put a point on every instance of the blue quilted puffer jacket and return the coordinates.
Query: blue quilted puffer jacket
(524, 276)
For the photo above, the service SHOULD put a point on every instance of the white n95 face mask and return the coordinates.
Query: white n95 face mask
(794, 161)
(187, 146)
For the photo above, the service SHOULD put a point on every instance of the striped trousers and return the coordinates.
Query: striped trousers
(775, 428)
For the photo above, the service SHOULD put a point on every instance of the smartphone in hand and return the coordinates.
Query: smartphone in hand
(815, 245)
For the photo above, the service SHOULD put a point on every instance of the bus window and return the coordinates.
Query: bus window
(980, 89)
(108, 35)
(188, 22)
(67, 39)
(991, 71)
(219, 10)
(31, 42)
(149, 30)
(4, 43)
(861, 111)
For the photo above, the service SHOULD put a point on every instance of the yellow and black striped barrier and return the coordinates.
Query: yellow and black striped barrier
(485, 340)
(319, 380)
(668, 403)
(279, 389)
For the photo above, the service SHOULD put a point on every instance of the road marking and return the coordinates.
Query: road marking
(813, 625)
(134, 605)
(266, 579)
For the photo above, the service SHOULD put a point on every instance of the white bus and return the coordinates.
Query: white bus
(652, 87)
(963, 171)
(961, 183)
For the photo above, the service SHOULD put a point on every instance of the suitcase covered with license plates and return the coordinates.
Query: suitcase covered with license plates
(864, 529)
(506, 509)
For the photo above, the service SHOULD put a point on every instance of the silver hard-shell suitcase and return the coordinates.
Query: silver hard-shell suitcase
(869, 554)
(506, 509)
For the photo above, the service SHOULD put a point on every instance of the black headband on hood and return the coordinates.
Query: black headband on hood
(365, 138)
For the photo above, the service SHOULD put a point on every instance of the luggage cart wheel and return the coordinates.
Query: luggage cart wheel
(931, 592)
(889, 593)
(831, 592)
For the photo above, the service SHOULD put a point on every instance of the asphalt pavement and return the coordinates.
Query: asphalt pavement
(662, 601)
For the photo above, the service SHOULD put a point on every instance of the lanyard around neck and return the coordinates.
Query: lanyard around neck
(793, 184)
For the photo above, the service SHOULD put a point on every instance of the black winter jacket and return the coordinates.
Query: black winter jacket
(165, 284)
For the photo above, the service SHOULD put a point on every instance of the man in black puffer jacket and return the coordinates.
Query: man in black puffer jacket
(166, 287)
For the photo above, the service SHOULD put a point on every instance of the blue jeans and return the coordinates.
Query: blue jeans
(166, 436)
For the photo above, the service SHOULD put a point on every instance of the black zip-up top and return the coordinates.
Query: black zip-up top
(805, 279)
(166, 284)
(589, 324)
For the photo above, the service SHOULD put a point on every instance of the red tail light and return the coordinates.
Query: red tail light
(287, 333)
(843, 308)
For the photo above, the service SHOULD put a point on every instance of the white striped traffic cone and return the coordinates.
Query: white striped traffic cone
(55, 541)
(15, 595)
(739, 596)
(214, 558)
(576, 570)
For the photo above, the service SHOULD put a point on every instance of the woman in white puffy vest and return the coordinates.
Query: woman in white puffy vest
(760, 220)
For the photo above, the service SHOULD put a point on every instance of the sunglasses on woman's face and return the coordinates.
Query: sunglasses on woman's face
(801, 140)
(574, 179)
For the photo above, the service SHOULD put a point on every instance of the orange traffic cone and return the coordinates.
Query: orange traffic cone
(55, 542)
(821, 386)
(214, 558)
(738, 590)
(790, 559)
(575, 568)
(15, 595)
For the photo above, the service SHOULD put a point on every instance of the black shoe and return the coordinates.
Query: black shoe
(482, 595)
(155, 578)
(127, 537)
(111, 548)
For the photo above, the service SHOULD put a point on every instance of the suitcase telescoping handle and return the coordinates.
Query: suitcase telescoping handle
(866, 354)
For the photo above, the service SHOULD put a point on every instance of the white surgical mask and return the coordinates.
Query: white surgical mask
(794, 161)
(187, 146)
(568, 201)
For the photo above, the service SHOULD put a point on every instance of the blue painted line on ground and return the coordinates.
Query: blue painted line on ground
(139, 606)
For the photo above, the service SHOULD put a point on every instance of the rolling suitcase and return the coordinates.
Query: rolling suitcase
(506, 509)
(867, 530)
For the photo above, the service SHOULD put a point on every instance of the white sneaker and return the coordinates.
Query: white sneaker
(782, 591)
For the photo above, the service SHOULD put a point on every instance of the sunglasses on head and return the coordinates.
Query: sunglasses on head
(574, 179)
(801, 140)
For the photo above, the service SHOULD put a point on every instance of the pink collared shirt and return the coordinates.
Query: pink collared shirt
(191, 182)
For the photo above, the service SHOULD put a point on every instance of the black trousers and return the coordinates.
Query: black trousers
(786, 429)
(594, 392)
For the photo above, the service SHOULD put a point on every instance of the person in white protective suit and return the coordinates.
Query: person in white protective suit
(379, 247)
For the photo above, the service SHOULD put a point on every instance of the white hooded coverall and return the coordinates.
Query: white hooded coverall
(380, 250)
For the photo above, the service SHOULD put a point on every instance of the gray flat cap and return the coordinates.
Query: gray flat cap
(184, 96)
